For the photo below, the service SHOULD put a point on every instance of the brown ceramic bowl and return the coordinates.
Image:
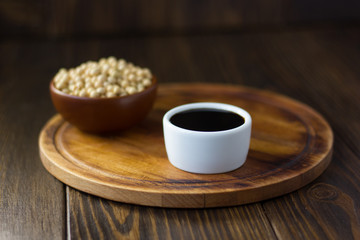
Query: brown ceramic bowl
(98, 115)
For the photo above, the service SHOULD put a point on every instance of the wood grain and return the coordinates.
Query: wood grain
(55, 18)
(98, 218)
(318, 66)
(290, 146)
(32, 203)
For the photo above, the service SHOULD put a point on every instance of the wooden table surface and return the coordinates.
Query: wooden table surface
(318, 66)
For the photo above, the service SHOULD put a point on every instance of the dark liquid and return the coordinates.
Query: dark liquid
(207, 120)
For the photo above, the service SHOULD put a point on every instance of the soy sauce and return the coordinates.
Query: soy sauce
(207, 120)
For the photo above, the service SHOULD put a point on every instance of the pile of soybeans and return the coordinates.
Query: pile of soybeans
(109, 77)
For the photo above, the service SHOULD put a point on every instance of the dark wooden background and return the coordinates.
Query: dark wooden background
(69, 18)
(307, 50)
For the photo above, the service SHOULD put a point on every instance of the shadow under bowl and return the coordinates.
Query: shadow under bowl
(100, 115)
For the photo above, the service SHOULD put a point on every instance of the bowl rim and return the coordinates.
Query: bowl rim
(207, 105)
(53, 89)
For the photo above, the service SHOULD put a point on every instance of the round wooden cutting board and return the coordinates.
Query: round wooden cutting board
(291, 145)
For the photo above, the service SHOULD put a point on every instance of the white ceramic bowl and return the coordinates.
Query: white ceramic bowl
(207, 152)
